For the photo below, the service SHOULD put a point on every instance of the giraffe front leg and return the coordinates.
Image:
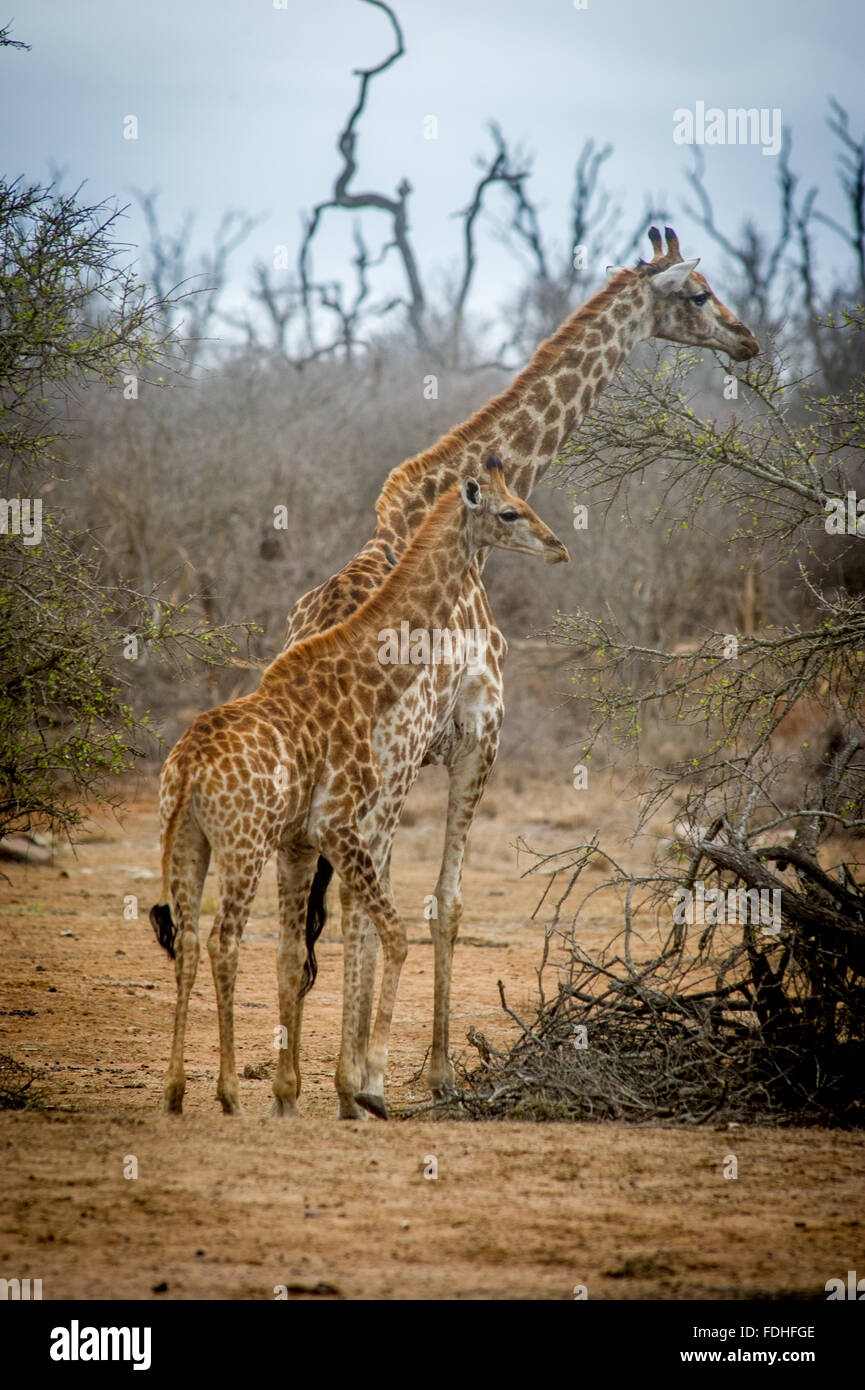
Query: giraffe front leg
(351, 1075)
(468, 773)
(360, 945)
(294, 872)
(369, 961)
(395, 950)
(355, 865)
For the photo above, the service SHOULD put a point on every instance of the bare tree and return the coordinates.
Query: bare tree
(757, 258)
(342, 196)
(591, 218)
(851, 160)
(190, 308)
(558, 281)
(778, 283)
(6, 41)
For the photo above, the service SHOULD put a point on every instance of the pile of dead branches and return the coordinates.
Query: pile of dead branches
(747, 1025)
(647, 1049)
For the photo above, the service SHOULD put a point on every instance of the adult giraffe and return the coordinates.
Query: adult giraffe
(453, 713)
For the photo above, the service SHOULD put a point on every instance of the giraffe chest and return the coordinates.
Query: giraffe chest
(454, 702)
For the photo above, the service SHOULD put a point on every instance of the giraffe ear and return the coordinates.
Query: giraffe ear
(672, 279)
(614, 270)
(471, 492)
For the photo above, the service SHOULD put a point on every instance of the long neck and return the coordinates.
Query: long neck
(528, 424)
(374, 648)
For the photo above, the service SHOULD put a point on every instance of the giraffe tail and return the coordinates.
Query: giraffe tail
(163, 924)
(160, 914)
(316, 916)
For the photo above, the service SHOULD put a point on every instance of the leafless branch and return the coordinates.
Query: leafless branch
(342, 197)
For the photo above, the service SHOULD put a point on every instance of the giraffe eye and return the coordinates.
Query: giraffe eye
(509, 516)
(699, 299)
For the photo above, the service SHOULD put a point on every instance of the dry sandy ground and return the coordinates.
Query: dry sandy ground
(232, 1208)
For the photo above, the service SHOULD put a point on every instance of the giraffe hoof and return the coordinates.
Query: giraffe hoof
(172, 1100)
(446, 1091)
(441, 1081)
(374, 1104)
(350, 1110)
(283, 1107)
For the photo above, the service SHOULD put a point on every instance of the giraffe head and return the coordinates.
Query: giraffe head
(502, 519)
(684, 309)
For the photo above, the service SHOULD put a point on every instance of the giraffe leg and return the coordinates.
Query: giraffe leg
(468, 773)
(374, 1064)
(189, 870)
(352, 860)
(294, 871)
(236, 891)
(369, 962)
(360, 948)
(399, 761)
(360, 951)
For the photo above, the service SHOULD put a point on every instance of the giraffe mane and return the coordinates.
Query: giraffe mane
(402, 477)
(344, 636)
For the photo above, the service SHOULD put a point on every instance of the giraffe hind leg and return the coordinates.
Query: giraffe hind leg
(237, 887)
(295, 872)
(188, 872)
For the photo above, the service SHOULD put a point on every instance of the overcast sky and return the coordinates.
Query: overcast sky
(239, 103)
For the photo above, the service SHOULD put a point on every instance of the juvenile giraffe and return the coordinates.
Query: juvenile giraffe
(453, 715)
(291, 769)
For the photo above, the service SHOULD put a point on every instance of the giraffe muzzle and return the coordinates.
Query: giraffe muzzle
(556, 553)
(749, 346)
